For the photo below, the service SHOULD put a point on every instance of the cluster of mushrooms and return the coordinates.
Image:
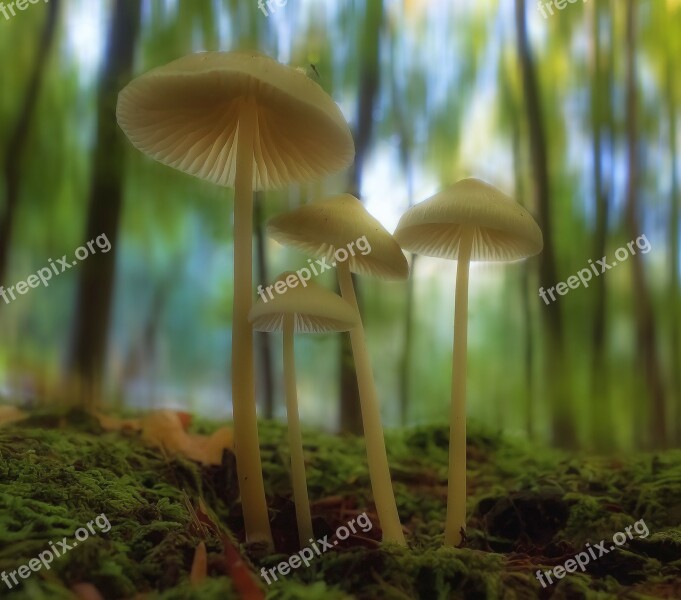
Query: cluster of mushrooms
(245, 121)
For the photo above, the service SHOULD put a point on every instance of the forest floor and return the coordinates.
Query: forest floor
(529, 508)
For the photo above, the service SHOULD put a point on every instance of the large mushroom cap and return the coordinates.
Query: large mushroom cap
(185, 115)
(323, 227)
(503, 230)
(314, 308)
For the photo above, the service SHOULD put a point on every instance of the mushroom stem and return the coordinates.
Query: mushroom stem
(246, 444)
(295, 439)
(377, 459)
(455, 521)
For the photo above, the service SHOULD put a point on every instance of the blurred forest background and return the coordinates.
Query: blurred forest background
(576, 115)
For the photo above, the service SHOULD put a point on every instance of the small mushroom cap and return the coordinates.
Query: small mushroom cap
(186, 114)
(503, 230)
(322, 228)
(314, 308)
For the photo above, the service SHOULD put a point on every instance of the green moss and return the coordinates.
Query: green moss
(528, 510)
(55, 481)
(219, 588)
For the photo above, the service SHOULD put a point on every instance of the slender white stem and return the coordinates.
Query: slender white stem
(377, 458)
(246, 444)
(455, 522)
(295, 439)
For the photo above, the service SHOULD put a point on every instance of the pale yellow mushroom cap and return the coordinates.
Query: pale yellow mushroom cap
(322, 228)
(314, 308)
(185, 115)
(503, 230)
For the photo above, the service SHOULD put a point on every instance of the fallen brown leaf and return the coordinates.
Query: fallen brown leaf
(11, 414)
(200, 565)
(86, 591)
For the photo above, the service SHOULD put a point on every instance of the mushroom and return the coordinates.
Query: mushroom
(245, 121)
(471, 220)
(333, 229)
(306, 309)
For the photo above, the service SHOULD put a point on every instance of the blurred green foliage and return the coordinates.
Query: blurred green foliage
(449, 104)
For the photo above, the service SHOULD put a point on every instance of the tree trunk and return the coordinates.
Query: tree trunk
(350, 415)
(563, 424)
(601, 417)
(645, 320)
(95, 288)
(262, 337)
(674, 283)
(18, 137)
(525, 282)
(405, 361)
(406, 164)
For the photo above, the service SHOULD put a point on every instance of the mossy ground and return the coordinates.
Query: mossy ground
(529, 509)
